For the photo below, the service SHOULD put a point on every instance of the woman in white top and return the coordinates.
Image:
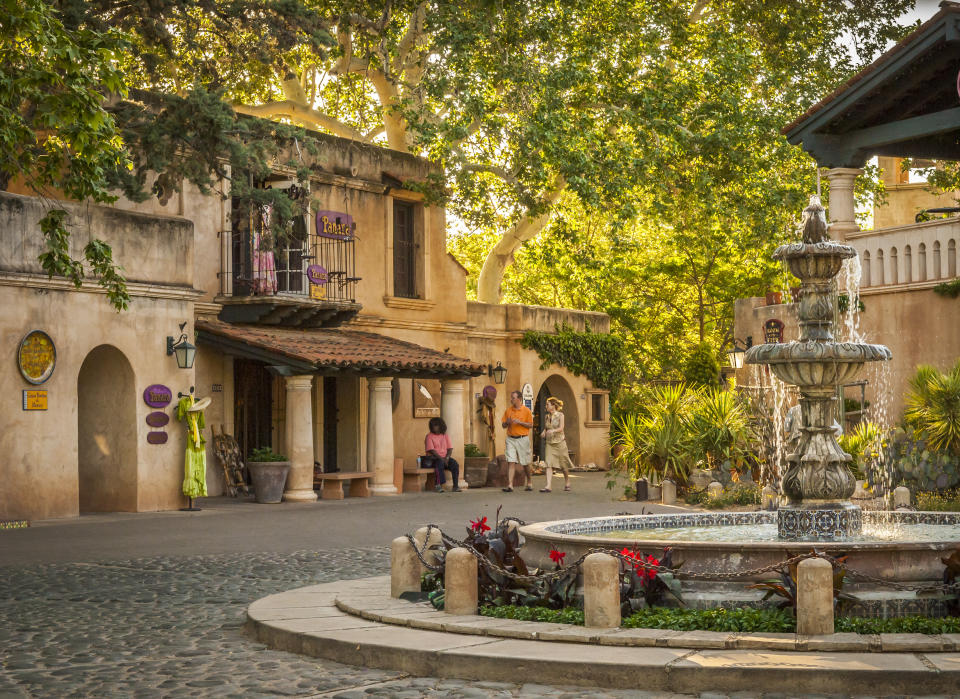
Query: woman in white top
(556, 454)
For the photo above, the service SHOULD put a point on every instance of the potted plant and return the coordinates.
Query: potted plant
(475, 464)
(268, 471)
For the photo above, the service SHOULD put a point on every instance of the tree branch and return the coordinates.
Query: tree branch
(302, 114)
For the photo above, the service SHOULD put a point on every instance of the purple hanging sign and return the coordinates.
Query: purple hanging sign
(156, 437)
(157, 419)
(336, 225)
(157, 396)
(317, 274)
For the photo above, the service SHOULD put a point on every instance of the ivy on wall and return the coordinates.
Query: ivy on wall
(949, 289)
(598, 356)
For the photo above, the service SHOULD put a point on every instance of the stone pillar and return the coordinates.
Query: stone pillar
(601, 591)
(451, 410)
(460, 580)
(715, 489)
(404, 567)
(299, 439)
(842, 218)
(668, 493)
(814, 597)
(901, 497)
(769, 498)
(380, 436)
(426, 543)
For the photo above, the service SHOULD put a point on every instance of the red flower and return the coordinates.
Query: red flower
(480, 525)
(651, 573)
(557, 556)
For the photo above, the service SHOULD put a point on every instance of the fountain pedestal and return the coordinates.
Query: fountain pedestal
(818, 481)
(819, 521)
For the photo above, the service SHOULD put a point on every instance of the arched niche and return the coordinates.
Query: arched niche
(106, 432)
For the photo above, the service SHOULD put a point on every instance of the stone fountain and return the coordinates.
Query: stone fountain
(818, 482)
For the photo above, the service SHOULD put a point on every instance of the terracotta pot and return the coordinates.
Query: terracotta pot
(475, 470)
(773, 298)
(269, 478)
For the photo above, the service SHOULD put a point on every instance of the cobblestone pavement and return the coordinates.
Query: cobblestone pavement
(173, 627)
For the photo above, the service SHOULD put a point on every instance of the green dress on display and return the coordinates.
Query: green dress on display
(195, 460)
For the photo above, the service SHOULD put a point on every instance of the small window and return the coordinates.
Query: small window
(404, 251)
(598, 411)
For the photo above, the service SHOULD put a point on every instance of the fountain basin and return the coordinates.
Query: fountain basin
(810, 261)
(913, 560)
(816, 364)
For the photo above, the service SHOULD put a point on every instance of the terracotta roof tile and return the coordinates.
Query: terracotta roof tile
(344, 349)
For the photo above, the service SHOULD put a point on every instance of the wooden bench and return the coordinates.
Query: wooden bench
(333, 484)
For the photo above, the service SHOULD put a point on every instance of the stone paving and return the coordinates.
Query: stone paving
(173, 627)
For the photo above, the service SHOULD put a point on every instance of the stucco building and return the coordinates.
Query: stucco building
(333, 347)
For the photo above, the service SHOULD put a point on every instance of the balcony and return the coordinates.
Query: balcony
(289, 277)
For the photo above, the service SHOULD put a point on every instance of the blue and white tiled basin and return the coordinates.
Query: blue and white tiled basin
(900, 547)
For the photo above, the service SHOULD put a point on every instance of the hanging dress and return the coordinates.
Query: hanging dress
(195, 459)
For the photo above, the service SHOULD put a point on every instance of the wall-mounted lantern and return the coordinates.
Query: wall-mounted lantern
(737, 353)
(499, 373)
(182, 348)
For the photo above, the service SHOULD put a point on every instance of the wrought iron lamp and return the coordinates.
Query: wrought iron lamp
(182, 348)
(499, 373)
(736, 353)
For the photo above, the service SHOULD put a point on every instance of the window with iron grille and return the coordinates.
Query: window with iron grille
(404, 251)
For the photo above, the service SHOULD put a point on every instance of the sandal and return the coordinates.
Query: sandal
(507, 490)
(566, 487)
(545, 490)
(529, 487)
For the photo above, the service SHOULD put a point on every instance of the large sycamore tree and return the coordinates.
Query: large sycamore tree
(661, 111)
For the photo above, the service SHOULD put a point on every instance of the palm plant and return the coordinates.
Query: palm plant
(721, 428)
(657, 442)
(933, 407)
(865, 444)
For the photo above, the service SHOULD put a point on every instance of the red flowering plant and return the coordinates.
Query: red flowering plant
(644, 579)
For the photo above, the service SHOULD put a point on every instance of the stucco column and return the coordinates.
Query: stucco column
(451, 410)
(380, 436)
(843, 219)
(299, 419)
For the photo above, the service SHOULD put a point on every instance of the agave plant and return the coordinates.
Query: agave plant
(657, 443)
(933, 407)
(866, 445)
(721, 429)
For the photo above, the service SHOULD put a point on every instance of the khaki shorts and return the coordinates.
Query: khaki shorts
(519, 450)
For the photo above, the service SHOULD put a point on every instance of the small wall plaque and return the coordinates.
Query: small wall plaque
(157, 419)
(216, 388)
(156, 437)
(157, 396)
(36, 356)
(35, 400)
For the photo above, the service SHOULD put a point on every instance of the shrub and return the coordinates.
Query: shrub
(656, 443)
(933, 407)
(920, 467)
(720, 428)
(265, 454)
(865, 444)
(735, 494)
(701, 367)
(943, 501)
(471, 450)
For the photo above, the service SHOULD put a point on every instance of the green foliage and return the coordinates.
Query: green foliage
(843, 303)
(866, 444)
(851, 405)
(721, 430)
(656, 443)
(909, 624)
(933, 407)
(471, 450)
(570, 615)
(735, 494)
(265, 454)
(785, 586)
(598, 356)
(701, 367)
(938, 501)
(720, 619)
(921, 468)
(950, 289)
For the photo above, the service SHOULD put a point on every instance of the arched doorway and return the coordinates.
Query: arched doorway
(107, 432)
(557, 386)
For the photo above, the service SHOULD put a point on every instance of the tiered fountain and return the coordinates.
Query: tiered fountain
(894, 547)
(818, 482)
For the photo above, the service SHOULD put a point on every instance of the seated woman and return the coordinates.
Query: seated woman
(439, 448)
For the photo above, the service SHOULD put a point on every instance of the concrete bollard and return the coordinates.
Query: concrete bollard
(431, 556)
(601, 591)
(668, 493)
(405, 567)
(715, 489)
(460, 577)
(769, 498)
(901, 497)
(814, 597)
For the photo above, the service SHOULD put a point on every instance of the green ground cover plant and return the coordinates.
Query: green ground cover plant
(742, 620)
(734, 494)
(938, 501)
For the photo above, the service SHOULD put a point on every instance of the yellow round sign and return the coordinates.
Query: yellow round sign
(36, 357)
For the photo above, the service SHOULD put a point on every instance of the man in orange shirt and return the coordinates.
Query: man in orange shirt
(518, 420)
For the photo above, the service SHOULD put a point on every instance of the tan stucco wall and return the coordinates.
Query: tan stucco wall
(41, 448)
(903, 201)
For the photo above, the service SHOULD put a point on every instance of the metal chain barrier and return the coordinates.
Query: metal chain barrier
(576, 565)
